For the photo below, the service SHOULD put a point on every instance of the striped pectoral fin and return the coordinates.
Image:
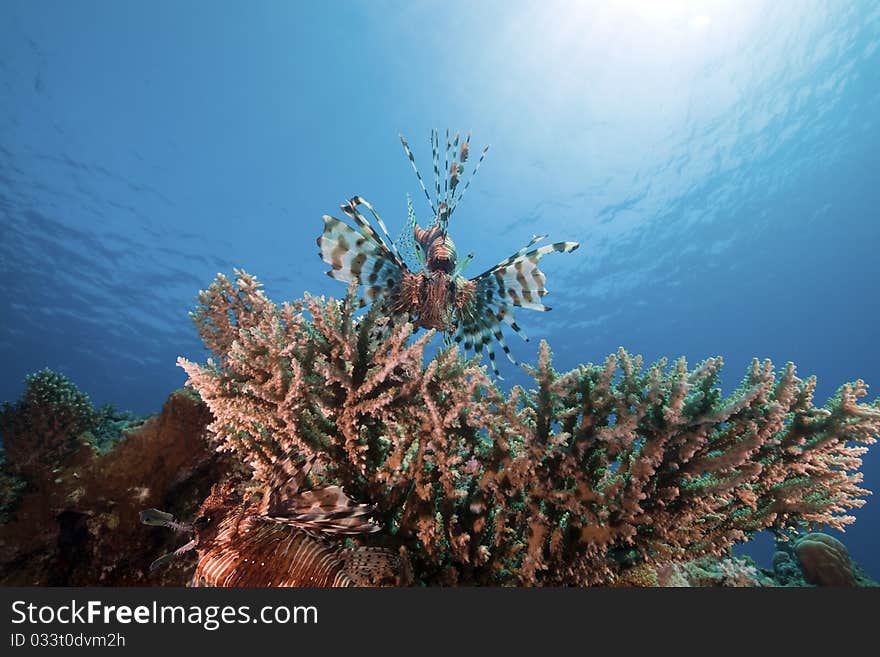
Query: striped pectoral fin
(327, 510)
(284, 483)
(351, 209)
(491, 293)
(318, 524)
(476, 331)
(511, 322)
(515, 281)
(518, 278)
(355, 255)
(477, 339)
(492, 329)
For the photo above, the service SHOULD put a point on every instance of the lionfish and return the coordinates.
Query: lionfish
(282, 540)
(428, 287)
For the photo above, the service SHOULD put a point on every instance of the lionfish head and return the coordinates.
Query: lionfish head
(438, 247)
(219, 504)
(203, 529)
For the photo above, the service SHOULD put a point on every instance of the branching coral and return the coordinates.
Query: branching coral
(593, 472)
(622, 465)
(42, 427)
(393, 433)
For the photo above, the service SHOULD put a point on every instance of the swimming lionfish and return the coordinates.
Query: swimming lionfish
(429, 288)
(282, 540)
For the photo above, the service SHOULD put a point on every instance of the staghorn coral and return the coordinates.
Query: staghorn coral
(390, 431)
(653, 465)
(593, 473)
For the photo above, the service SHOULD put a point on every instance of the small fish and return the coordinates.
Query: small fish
(425, 284)
(281, 540)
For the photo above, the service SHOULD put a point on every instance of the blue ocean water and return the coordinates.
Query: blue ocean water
(717, 161)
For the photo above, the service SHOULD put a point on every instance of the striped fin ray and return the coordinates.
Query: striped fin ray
(520, 280)
(165, 558)
(535, 239)
(473, 175)
(325, 510)
(357, 255)
(479, 323)
(446, 169)
(351, 210)
(357, 216)
(454, 172)
(515, 281)
(435, 158)
(477, 336)
(286, 478)
(448, 195)
(412, 161)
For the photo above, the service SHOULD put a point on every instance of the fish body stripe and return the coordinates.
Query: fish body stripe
(259, 553)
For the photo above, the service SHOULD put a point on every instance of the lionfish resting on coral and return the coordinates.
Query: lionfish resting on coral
(284, 539)
(428, 287)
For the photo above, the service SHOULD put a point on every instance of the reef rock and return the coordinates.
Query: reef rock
(76, 521)
(824, 560)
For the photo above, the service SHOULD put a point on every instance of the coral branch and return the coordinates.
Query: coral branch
(595, 472)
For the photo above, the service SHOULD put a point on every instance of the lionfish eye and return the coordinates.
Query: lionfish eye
(201, 521)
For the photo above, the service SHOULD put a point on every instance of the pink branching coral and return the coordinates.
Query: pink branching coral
(653, 465)
(392, 433)
(592, 473)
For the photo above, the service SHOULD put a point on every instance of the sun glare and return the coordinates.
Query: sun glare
(700, 22)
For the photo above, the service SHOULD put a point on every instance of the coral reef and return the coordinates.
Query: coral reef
(817, 559)
(75, 520)
(727, 571)
(11, 489)
(590, 475)
(43, 427)
(824, 560)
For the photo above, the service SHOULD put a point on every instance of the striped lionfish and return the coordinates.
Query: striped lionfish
(428, 286)
(282, 540)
